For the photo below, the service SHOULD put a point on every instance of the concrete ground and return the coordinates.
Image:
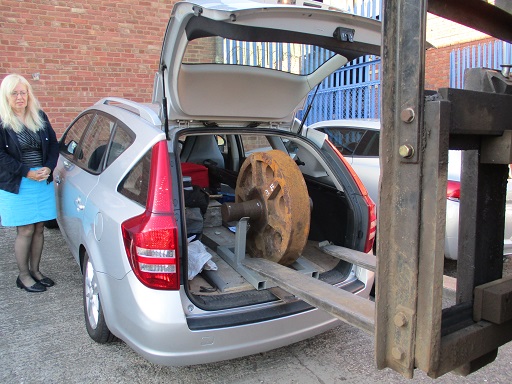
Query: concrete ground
(43, 340)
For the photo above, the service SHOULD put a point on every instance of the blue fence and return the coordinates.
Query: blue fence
(353, 91)
(490, 55)
(286, 57)
(366, 8)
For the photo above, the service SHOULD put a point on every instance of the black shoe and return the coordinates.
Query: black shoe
(45, 281)
(37, 287)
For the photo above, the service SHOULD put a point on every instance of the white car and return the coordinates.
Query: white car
(132, 183)
(358, 142)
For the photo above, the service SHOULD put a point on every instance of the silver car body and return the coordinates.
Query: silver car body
(92, 214)
(368, 169)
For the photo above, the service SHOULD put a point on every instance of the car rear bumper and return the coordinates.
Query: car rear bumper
(154, 324)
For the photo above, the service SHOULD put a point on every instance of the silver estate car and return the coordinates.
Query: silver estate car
(142, 188)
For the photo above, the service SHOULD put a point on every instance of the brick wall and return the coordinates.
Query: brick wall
(437, 68)
(437, 64)
(446, 35)
(82, 51)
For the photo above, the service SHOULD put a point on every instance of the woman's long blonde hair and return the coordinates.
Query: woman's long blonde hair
(33, 119)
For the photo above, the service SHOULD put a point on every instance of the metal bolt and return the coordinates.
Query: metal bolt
(397, 353)
(400, 320)
(407, 115)
(190, 307)
(406, 151)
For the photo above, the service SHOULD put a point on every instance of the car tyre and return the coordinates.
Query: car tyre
(93, 311)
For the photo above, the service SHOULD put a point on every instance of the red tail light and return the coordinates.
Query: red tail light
(151, 239)
(453, 190)
(372, 212)
(372, 224)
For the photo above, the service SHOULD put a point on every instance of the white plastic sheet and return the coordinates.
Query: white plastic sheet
(199, 258)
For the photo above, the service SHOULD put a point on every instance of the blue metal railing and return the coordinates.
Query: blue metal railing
(353, 91)
(489, 55)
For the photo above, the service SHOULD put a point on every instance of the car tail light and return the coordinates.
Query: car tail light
(151, 239)
(453, 190)
(372, 211)
(372, 226)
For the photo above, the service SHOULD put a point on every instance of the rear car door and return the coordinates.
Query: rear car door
(82, 150)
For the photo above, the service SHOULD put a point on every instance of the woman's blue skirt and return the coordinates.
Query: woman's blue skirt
(34, 203)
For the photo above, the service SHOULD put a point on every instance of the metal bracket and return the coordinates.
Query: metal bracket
(235, 257)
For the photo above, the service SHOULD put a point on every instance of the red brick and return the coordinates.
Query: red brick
(83, 52)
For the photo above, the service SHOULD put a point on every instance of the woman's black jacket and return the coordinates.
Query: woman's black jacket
(11, 167)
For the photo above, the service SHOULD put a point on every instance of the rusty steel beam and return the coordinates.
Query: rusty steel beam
(477, 113)
(483, 200)
(403, 65)
(476, 14)
(434, 169)
(352, 256)
(492, 301)
(469, 344)
(344, 305)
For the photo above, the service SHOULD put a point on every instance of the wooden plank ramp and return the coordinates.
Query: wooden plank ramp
(346, 306)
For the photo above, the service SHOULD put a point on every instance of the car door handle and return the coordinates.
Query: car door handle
(67, 165)
(79, 205)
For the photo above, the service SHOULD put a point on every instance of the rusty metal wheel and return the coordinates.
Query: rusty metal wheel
(271, 190)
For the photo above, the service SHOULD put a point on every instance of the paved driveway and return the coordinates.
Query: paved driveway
(43, 340)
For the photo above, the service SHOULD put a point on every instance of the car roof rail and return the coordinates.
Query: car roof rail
(143, 111)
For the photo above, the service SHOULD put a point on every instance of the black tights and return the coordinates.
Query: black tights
(28, 247)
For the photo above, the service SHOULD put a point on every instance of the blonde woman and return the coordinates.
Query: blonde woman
(28, 155)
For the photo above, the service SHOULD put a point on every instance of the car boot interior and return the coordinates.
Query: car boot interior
(331, 217)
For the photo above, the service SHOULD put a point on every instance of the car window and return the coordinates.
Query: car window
(135, 184)
(369, 144)
(352, 141)
(93, 145)
(295, 58)
(122, 139)
(72, 137)
(255, 143)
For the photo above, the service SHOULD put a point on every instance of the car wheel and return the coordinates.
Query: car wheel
(94, 319)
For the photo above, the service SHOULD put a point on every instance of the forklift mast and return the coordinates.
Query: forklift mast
(412, 329)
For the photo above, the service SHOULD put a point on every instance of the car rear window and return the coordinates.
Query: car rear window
(135, 184)
(298, 59)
